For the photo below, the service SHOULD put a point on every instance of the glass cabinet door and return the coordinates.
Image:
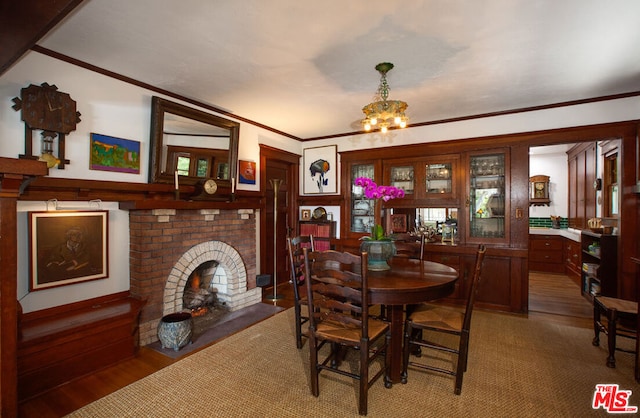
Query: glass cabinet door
(438, 178)
(362, 209)
(487, 204)
(402, 178)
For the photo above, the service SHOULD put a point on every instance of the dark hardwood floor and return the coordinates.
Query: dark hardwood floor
(552, 297)
(74, 395)
(557, 298)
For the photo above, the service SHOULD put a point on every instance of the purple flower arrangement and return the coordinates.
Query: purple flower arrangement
(373, 191)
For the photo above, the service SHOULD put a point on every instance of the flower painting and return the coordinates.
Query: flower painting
(320, 171)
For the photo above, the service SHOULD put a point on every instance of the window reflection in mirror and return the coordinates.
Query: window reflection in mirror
(427, 217)
(183, 139)
(191, 142)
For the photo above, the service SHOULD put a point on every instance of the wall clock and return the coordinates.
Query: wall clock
(539, 190)
(54, 112)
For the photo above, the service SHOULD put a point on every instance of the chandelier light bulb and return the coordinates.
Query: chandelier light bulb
(397, 120)
(383, 129)
(403, 124)
(367, 126)
(374, 121)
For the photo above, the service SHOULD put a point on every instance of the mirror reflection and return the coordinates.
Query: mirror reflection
(194, 144)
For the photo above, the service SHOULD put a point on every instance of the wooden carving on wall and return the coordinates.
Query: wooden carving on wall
(52, 111)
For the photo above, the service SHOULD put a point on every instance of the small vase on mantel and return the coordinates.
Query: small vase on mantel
(379, 253)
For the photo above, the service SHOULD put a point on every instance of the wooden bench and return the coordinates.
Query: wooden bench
(66, 342)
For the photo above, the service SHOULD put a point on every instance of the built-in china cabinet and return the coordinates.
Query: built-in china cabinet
(464, 196)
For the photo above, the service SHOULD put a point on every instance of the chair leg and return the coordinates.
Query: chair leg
(313, 361)
(364, 379)
(387, 362)
(612, 317)
(408, 330)
(463, 353)
(298, 326)
(596, 324)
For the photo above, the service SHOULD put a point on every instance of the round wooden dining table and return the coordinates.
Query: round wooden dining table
(408, 282)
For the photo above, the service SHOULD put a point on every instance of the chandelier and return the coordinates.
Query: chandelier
(383, 113)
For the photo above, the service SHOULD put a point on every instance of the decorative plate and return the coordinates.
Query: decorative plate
(319, 213)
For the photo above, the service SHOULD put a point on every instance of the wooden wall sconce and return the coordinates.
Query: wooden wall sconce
(47, 109)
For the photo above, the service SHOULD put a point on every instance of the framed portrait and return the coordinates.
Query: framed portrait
(306, 214)
(246, 172)
(398, 223)
(109, 153)
(67, 247)
(320, 170)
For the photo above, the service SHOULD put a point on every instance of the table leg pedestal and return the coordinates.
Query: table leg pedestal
(396, 318)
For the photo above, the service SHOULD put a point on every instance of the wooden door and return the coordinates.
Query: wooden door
(277, 165)
(276, 228)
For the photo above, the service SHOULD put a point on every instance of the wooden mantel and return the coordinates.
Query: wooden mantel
(15, 174)
(133, 196)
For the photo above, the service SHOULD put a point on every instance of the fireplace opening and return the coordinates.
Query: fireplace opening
(201, 295)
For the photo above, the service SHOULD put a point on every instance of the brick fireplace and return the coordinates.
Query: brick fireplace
(167, 245)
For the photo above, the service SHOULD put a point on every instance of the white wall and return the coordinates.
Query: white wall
(109, 107)
(114, 108)
(552, 163)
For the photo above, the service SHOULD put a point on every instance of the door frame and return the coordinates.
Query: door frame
(269, 154)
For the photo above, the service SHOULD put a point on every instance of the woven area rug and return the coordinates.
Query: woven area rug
(518, 367)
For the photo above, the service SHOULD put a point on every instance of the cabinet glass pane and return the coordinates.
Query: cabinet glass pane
(487, 194)
(438, 178)
(362, 209)
(402, 178)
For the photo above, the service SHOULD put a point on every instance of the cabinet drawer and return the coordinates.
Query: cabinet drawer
(545, 243)
(546, 256)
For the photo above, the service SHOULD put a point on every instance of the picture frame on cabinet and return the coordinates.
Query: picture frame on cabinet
(67, 247)
(398, 223)
(305, 214)
(320, 170)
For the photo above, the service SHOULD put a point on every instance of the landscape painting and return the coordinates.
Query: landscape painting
(114, 154)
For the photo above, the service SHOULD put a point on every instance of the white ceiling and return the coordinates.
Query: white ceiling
(307, 68)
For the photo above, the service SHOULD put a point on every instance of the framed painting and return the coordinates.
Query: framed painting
(67, 247)
(247, 174)
(320, 170)
(398, 223)
(306, 214)
(114, 154)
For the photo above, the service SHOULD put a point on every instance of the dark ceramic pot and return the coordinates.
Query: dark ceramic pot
(379, 253)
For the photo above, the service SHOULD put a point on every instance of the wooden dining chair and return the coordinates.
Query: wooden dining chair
(410, 246)
(296, 268)
(430, 319)
(338, 298)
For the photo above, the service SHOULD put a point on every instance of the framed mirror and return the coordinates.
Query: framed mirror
(195, 144)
